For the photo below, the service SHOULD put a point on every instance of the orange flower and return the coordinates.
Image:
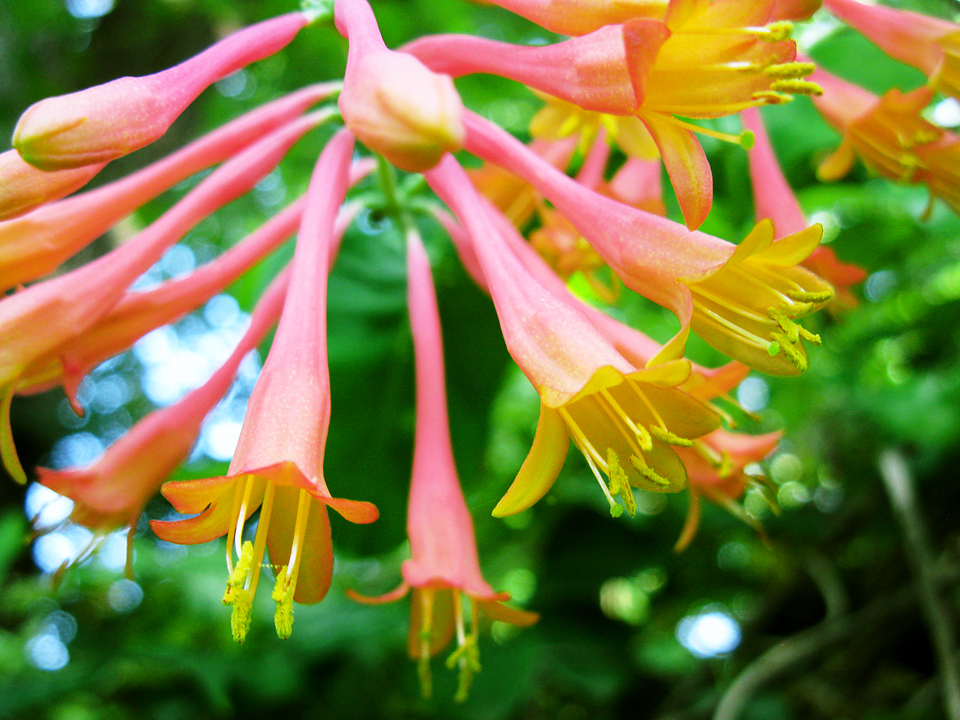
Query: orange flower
(443, 570)
(623, 419)
(279, 463)
(891, 136)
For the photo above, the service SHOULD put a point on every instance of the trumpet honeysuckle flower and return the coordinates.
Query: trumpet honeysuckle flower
(743, 299)
(443, 570)
(623, 419)
(775, 200)
(891, 136)
(704, 384)
(929, 44)
(279, 458)
(391, 101)
(112, 492)
(108, 121)
(716, 464)
(701, 60)
(35, 244)
(23, 187)
(36, 321)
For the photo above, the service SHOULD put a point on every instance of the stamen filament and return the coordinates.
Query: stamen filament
(426, 630)
(260, 541)
(242, 514)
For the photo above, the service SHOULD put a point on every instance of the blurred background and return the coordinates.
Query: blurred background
(818, 616)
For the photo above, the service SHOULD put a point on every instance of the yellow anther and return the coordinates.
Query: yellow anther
(775, 32)
(242, 614)
(643, 437)
(811, 297)
(619, 483)
(807, 335)
(788, 326)
(283, 596)
(238, 577)
(790, 70)
(669, 437)
(798, 359)
(796, 87)
(747, 139)
(797, 311)
(467, 656)
(726, 465)
(648, 472)
(773, 348)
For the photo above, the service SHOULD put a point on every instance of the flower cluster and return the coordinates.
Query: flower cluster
(623, 97)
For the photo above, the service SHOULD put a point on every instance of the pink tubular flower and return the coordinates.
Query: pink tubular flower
(23, 187)
(392, 103)
(111, 493)
(279, 457)
(36, 321)
(36, 244)
(775, 200)
(891, 136)
(716, 464)
(443, 569)
(929, 44)
(743, 299)
(108, 121)
(699, 60)
(623, 419)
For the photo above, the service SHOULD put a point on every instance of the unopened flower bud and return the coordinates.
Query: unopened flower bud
(108, 121)
(391, 101)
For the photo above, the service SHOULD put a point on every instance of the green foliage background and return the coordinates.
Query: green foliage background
(829, 581)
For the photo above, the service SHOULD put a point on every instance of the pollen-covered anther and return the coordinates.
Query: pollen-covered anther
(823, 296)
(796, 87)
(782, 344)
(791, 70)
(242, 614)
(283, 596)
(668, 437)
(619, 483)
(648, 472)
(238, 576)
(774, 32)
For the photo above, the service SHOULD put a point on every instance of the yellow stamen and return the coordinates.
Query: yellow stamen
(242, 513)
(238, 576)
(648, 472)
(669, 437)
(283, 596)
(426, 630)
(467, 654)
(745, 139)
(620, 484)
(242, 614)
(790, 70)
(260, 541)
(796, 87)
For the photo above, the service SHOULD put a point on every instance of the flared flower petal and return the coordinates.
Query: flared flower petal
(775, 200)
(108, 121)
(112, 493)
